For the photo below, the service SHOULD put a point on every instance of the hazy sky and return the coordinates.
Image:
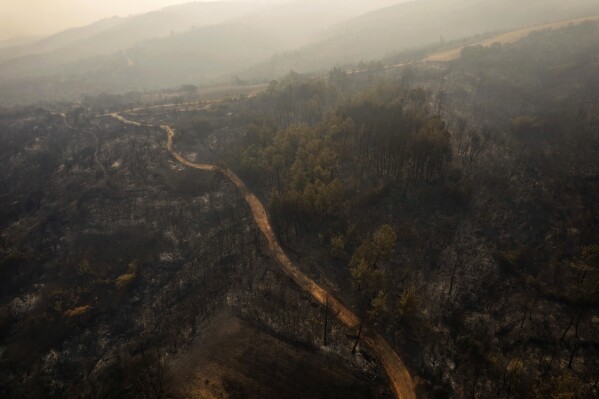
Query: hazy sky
(38, 17)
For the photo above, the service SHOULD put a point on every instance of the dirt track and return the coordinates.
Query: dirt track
(401, 381)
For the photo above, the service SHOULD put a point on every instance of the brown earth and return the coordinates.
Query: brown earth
(234, 358)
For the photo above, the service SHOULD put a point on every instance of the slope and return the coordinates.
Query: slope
(399, 376)
(126, 58)
(58, 40)
(115, 34)
(418, 23)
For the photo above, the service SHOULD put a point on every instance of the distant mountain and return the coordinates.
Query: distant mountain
(417, 23)
(59, 40)
(115, 34)
(293, 24)
(187, 44)
(191, 57)
(298, 22)
(18, 41)
(207, 42)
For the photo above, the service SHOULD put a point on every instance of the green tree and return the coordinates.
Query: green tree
(407, 305)
(379, 308)
(376, 249)
(337, 246)
(367, 277)
(384, 242)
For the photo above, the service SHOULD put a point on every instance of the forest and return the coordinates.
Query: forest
(452, 206)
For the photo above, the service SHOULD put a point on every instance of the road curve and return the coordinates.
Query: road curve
(401, 381)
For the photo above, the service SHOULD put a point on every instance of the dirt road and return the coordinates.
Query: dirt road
(401, 381)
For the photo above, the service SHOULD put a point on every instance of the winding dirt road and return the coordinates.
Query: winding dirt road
(401, 381)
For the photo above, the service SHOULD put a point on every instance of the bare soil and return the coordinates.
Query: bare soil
(234, 358)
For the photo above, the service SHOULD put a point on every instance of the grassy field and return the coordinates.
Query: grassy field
(505, 38)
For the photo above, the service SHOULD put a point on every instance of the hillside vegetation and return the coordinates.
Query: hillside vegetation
(461, 221)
